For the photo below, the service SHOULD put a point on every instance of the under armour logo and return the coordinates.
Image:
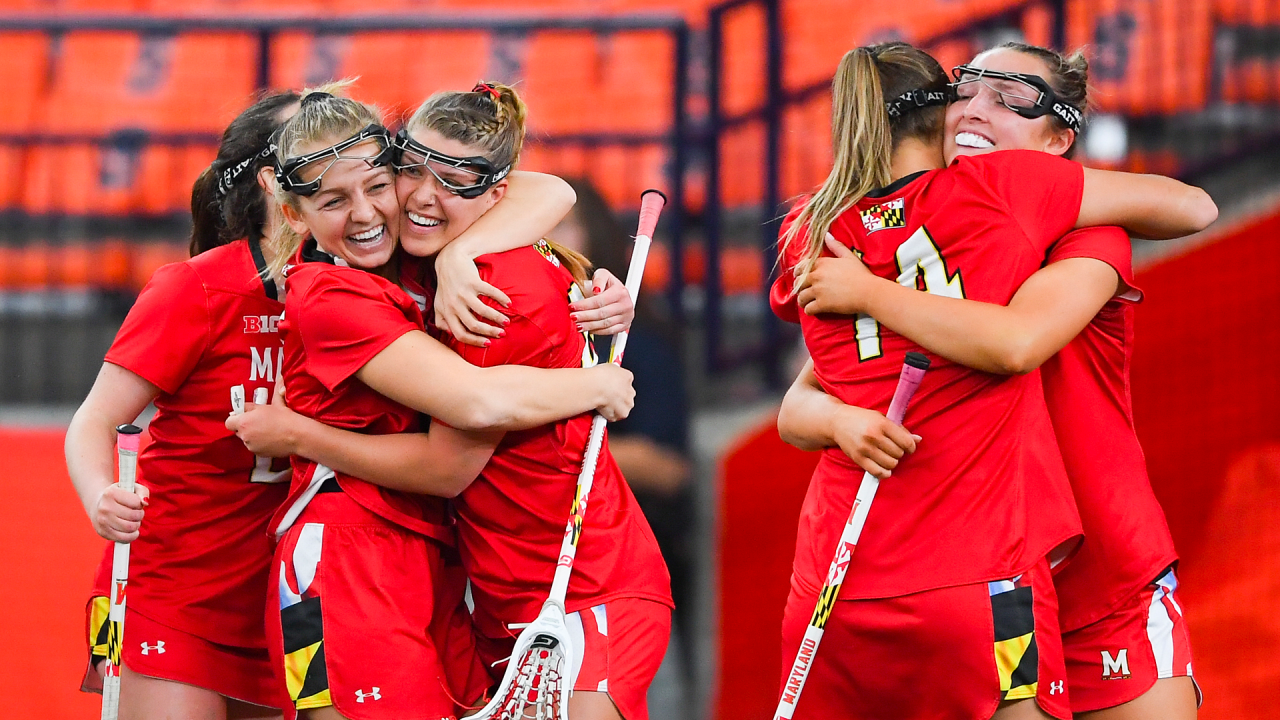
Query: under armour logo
(158, 647)
(1057, 687)
(361, 695)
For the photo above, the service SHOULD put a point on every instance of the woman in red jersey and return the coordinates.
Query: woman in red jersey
(357, 562)
(948, 595)
(511, 518)
(1126, 644)
(200, 327)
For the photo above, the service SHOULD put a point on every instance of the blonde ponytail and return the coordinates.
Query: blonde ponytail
(863, 136)
(862, 144)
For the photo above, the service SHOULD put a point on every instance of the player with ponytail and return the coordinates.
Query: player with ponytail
(356, 584)
(195, 633)
(949, 594)
(1117, 595)
(453, 156)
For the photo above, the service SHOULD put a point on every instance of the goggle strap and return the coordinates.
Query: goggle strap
(916, 99)
(229, 176)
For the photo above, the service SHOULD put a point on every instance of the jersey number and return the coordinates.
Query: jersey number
(921, 266)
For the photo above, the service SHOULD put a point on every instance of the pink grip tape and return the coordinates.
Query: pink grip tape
(912, 373)
(651, 203)
(129, 441)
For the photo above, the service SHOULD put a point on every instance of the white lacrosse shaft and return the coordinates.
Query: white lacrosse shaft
(127, 440)
(651, 203)
(912, 372)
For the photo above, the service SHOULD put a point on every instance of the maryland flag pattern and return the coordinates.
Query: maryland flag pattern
(826, 603)
(544, 249)
(302, 625)
(1017, 660)
(304, 667)
(99, 608)
(884, 216)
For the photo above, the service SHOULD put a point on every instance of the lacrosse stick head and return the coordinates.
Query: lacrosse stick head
(540, 673)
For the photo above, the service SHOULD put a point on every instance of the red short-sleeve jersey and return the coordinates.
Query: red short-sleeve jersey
(336, 320)
(985, 495)
(1086, 385)
(198, 328)
(511, 519)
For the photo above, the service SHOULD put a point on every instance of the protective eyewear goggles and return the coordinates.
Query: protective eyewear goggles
(467, 177)
(291, 173)
(1027, 95)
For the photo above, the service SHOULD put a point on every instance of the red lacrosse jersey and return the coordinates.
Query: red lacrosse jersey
(336, 320)
(985, 495)
(1086, 385)
(198, 328)
(511, 520)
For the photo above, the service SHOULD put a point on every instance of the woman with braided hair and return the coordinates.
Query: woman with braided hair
(453, 156)
(196, 641)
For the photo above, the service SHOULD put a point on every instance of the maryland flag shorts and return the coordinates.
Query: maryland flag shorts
(953, 652)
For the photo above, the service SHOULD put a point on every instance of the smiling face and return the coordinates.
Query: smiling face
(432, 216)
(981, 124)
(354, 215)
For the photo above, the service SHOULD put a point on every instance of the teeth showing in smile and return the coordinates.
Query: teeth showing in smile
(368, 235)
(417, 219)
(970, 140)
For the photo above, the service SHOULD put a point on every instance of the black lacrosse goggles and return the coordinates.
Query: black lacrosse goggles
(467, 177)
(293, 173)
(1027, 95)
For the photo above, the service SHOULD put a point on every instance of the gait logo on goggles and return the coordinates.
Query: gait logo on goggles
(884, 216)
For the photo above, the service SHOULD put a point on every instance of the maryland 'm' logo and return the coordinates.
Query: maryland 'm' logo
(884, 216)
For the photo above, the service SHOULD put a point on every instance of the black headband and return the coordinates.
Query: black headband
(916, 99)
(227, 178)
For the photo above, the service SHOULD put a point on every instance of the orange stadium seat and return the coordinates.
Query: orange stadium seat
(396, 70)
(23, 65)
(239, 7)
(125, 87)
(1252, 73)
(563, 74)
(1146, 58)
(62, 7)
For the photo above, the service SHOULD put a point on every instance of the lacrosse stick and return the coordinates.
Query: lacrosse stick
(912, 372)
(127, 440)
(544, 664)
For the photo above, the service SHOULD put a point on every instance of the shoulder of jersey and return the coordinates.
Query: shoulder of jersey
(514, 270)
(228, 268)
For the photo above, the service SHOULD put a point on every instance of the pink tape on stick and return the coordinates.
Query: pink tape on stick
(128, 437)
(651, 203)
(912, 372)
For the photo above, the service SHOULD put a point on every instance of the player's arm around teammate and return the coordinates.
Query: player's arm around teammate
(926, 553)
(1121, 578)
(440, 201)
(356, 356)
